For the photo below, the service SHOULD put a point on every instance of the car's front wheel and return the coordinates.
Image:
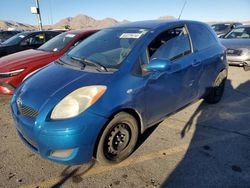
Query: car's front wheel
(118, 139)
(216, 92)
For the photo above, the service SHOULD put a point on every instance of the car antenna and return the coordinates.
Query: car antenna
(182, 10)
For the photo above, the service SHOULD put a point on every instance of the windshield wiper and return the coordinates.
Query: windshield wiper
(90, 63)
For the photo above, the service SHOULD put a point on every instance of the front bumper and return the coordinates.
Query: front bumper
(240, 60)
(245, 64)
(50, 136)
(237, 63)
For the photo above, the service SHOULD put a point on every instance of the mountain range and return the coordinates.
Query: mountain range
(77, 22)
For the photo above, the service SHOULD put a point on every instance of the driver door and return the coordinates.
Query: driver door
(165, 92)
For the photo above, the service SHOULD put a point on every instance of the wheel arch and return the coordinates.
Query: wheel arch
(130, 111)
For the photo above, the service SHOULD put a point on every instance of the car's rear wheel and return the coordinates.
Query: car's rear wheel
(118, 139)
(216, 92)
(247, 67)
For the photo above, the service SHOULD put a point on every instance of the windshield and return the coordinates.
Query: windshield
(239, 33)
(220, 27)
(57, 43)
(108, 47)
(15, 39)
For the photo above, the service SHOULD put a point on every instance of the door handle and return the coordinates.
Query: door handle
(196, 63)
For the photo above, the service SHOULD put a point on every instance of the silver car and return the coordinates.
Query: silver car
(237, 43)
(221, 29)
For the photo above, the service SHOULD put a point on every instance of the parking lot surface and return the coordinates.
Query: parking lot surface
(200, 146)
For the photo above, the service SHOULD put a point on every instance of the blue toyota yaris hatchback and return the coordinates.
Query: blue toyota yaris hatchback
(96, 100)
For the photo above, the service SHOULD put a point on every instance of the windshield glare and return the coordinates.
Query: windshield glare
(15, 39)
(108, 47)
(57, 43)
(239, 33)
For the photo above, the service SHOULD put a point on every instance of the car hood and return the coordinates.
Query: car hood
(56, 81)
(4, 45)
(236, 43)
(21, 59)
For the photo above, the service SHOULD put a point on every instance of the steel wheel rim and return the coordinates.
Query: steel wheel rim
(117, 140)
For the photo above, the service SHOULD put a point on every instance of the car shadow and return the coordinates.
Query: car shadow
(75, 173)
(222, 160)
(143, 137)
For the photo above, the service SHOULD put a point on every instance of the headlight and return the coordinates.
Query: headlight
(77, 102)
(11, 73)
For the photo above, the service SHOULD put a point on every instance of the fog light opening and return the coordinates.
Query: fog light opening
(64, 153)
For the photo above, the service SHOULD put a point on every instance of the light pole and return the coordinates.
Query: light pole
(36, 10)
(39, 16)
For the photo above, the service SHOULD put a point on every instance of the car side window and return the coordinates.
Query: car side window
(34, 40)
(38, 39)
(171, 44)
(201, 37)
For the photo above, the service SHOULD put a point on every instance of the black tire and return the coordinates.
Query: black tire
(216, 92)
(118, 139)
(247, 67)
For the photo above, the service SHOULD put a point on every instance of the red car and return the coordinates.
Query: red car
(16, 67)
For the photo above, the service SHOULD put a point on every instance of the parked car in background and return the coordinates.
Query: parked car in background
(223, 28)
(237, 43)
(97, 99)
(26, 40)
(16, 67)
(4, 35)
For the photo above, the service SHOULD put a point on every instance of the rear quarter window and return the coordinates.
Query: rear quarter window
(202, 38)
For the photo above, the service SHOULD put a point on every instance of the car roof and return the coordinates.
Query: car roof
(244, 26)
(226, 23)
(12, 31)
(34, 32)
(153, 24)
(79, 31)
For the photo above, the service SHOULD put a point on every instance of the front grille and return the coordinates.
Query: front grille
(27, 111)
(233, 52)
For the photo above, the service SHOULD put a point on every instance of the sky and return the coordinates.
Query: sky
(133, 10)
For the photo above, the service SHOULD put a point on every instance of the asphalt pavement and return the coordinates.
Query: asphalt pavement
(200, 146)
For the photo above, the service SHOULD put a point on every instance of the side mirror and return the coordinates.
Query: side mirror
(159, 65)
